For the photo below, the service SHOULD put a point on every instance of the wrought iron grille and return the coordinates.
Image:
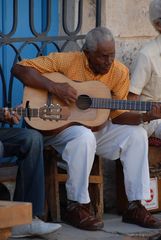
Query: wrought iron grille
(39, 41)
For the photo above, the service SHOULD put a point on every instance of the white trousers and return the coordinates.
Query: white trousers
(78, 146)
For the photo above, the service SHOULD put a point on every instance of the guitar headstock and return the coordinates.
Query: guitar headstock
(54, 112)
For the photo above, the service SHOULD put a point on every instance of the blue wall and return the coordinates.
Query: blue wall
(7, 54)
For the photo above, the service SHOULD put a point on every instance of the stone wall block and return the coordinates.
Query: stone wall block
(127, 18)
(127, 50)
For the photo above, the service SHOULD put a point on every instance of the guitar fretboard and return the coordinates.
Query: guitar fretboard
(113, 104)
(23, 112)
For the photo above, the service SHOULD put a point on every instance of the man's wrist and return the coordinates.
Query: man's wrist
(141, 118)
(145, 117)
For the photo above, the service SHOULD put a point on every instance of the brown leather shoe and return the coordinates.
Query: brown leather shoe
(140, 216)
(78, 215)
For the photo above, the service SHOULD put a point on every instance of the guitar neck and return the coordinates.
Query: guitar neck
(104, 103)
(22, 112)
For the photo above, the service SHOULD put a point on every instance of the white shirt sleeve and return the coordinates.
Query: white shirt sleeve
(141, 74)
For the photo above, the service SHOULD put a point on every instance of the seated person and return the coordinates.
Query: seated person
(120, 137)
(146, 77)
(27, 145)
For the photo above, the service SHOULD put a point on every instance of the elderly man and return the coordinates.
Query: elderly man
(146, 78)
(77, 144)
(27, 145)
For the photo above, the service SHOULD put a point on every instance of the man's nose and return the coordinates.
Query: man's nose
(108, 60)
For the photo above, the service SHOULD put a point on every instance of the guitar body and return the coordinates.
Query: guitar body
(72, 114)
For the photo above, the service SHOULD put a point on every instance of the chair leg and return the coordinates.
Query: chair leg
(52, 211)
(96, 187)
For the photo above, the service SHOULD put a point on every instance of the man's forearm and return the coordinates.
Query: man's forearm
(31, 77)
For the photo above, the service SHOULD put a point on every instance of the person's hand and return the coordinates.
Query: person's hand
(10, 117)
(155, 112)
(65, 92)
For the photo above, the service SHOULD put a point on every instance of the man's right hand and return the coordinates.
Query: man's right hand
(65, 92)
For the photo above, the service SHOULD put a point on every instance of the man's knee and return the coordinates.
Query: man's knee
(139, 134)
(88, 138)
(33, 137)
(84, 139)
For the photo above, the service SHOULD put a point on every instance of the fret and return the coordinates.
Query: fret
(109, 101)
(116, 104)
(22, 112)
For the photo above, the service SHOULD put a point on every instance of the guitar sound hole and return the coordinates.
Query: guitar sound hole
(83, 102)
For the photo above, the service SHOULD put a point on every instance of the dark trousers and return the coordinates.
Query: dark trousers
(27, 146)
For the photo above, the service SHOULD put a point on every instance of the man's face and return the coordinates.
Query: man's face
(101, 60)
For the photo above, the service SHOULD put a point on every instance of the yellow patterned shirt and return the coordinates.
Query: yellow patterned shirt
(74, 65)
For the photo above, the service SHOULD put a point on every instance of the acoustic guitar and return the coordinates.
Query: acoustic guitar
(91, 109)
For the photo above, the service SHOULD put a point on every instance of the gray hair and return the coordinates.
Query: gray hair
(155, 11)
(95, 36)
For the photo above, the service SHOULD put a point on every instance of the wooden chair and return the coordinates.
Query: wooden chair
(55, 178)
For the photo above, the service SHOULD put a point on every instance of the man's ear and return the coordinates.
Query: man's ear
(157, 26)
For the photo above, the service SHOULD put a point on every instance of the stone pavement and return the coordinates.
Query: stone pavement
(114, 229)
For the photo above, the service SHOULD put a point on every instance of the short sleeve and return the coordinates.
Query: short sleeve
(141, 74)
